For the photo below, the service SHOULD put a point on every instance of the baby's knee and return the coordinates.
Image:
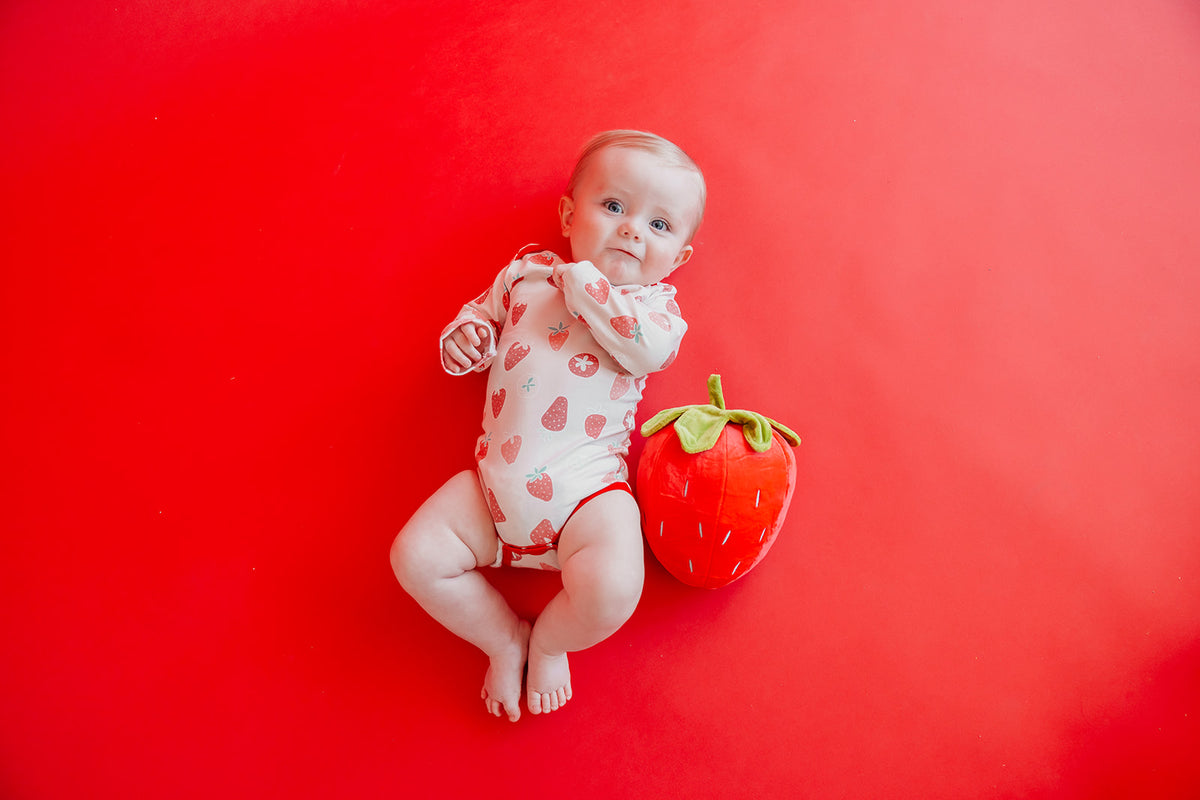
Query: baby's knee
(613, 594)
(409, 556)
(626, 592)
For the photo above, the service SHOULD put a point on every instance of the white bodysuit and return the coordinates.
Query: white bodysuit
(568, 358)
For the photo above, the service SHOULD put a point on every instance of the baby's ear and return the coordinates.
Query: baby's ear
(685, 255)
(566, 212)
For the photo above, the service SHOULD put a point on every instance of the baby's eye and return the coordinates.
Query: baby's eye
(660, 225)
(613, 206)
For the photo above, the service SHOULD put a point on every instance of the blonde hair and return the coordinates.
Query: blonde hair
(664, 149)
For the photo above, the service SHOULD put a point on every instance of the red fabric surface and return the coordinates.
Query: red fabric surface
(953, 245)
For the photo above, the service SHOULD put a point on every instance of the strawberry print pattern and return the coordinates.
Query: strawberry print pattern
(514, 355)
(540, 485)
(544, 533)
(593, 426)
(598, 290)
(494, 507)
(510, 449)
(558, 336)
(628, 327)
(557, 419)
(584, 365)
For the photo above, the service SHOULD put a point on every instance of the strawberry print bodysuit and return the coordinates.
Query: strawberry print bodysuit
(568, 358)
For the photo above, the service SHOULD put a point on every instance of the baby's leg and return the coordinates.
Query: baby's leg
(603, 567)
(436, 556)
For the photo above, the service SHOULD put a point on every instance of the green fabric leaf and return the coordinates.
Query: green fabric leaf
(698, 427)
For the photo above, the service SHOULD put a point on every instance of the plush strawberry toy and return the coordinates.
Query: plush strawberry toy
(714, 490)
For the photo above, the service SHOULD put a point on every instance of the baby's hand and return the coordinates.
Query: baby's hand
(559, 270)
(466, 346)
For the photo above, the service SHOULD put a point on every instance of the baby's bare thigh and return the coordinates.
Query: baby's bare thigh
(458, 512)
(609, 525)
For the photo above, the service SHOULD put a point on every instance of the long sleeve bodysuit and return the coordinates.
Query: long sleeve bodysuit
(568, 357)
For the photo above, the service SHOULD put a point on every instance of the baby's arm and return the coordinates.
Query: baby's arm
(640, 327)
(469, 342)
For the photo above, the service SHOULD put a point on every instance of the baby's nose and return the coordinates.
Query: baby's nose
(630, 230)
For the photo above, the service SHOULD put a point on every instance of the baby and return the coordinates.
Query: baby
(569, 344)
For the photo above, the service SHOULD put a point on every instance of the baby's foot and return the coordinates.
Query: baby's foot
(502, 684)
(549, 682)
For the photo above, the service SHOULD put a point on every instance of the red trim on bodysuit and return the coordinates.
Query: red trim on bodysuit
(512, 552)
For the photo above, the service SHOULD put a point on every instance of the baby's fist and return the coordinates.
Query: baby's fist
(560, 270)
(467, 346)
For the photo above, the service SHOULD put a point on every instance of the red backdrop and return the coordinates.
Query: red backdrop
(953, 245)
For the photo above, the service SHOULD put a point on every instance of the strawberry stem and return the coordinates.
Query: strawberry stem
(699, 426)
(715, 395)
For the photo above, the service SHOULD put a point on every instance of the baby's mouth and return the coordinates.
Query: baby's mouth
(623, 251)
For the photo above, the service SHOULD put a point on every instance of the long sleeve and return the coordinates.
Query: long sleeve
(639, 326)
(491, 308)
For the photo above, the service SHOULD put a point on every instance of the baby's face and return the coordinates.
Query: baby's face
(632, 216)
